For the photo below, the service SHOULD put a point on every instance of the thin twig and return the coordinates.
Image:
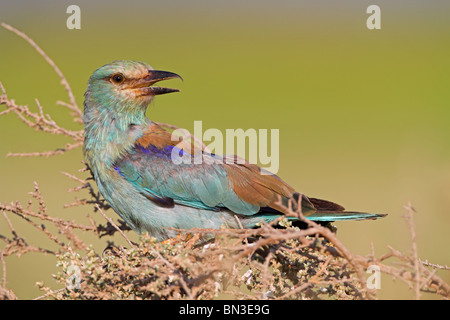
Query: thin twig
(410, 220)
(115, 226)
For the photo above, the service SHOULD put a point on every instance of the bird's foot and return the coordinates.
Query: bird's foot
(173, 241)
(188, 239)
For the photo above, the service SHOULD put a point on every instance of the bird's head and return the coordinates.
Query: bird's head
(126, 85)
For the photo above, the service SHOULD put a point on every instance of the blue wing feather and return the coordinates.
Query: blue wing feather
(152, 171)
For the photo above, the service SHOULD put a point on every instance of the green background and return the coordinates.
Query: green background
(363, 114)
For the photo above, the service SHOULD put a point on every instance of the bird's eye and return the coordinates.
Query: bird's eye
(118, 78)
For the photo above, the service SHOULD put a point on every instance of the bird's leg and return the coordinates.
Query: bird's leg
(192, 239)
(178, 239)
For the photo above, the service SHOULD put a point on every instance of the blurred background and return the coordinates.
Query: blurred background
(363, 114)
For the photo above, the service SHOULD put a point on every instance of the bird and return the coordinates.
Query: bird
(129, 156)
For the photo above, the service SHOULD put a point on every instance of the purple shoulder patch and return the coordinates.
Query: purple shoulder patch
(155, 151)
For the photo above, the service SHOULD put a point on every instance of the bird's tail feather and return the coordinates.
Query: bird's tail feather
(318, 216)
(329, 216)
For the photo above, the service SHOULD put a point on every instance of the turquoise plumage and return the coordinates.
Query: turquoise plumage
(130, 157)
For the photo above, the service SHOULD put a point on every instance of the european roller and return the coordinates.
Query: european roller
(131, 160)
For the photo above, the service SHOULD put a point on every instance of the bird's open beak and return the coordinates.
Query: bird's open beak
(155, 76)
